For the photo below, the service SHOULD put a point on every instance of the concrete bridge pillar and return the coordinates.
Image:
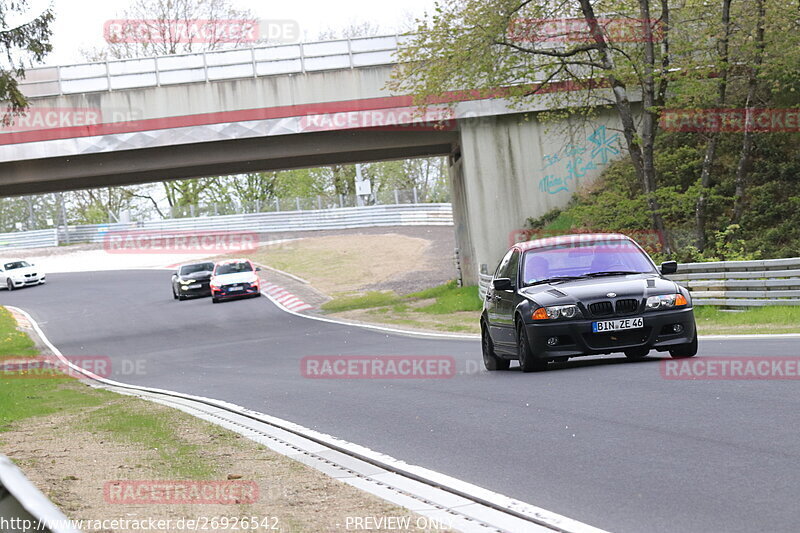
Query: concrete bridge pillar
(514, 167)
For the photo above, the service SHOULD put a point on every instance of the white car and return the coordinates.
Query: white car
(16, 273)
(234, 278)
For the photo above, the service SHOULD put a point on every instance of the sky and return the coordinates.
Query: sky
(79, 23)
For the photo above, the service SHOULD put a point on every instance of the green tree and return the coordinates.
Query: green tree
(21, 46)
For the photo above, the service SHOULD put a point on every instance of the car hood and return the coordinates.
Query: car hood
(587, 290)
(201, 275)
(237, 277)
(22, 271)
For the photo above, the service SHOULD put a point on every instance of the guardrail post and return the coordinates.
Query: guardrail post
(297, 202)
(277, 204)
(396, 197)
(108, 76)
(416, 199)
(302, 60)
(319, 202)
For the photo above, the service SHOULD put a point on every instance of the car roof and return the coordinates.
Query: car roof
(573, 238)
(195, 263)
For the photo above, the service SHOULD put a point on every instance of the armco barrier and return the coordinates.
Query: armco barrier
(742, 283)
(282, 221)
(731, 283)
(28, 239)
(23, 507)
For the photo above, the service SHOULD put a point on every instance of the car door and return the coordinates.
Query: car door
(493, 298)
(505, 301)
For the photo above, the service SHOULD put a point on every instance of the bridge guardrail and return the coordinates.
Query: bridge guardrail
(235, 63)
(283, 221)
(23, 507)
(731, 283)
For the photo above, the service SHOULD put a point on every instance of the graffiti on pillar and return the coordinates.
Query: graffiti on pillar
(565, 168)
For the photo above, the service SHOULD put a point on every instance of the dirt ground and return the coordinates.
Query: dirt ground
(400, 259)
(71, 464)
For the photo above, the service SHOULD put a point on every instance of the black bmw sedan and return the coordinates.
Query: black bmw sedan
(576, 295)
(192, 279)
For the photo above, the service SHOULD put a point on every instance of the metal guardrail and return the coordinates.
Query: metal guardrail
(28, 239)
(283, 221)
(211, 66)
(731, 283)
(23, 508)
(742, 283)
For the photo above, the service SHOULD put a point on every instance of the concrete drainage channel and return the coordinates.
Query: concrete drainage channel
(452, 503)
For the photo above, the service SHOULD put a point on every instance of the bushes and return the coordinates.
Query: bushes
(770, 224)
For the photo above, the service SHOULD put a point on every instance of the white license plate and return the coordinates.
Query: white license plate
(617, 325)
(235, 288)
(195, 286)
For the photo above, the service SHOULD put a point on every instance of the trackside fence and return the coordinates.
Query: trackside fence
(283, 221)
(731, 284)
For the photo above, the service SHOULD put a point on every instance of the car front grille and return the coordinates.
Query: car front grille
(31, 275)
(626, 307)
(613, 339)
(601, 308)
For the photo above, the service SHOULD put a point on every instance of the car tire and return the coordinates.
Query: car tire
(174, 294)
(10, 285)
(685, 350)
(490, 359)
(637, 354)
(528, 362)
(214, 300)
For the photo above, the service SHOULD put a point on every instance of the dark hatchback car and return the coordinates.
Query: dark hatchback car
(192, 280)
(577, 295)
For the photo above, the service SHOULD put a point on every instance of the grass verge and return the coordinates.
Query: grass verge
(15, 343)
(712, 320)
(446, 307)
(72, 441)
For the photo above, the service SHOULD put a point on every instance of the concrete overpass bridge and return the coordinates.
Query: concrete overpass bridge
(289, 106)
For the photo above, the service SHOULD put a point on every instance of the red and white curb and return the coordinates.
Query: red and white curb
(284, 298)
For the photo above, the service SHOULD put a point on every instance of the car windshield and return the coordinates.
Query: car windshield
(197, 267)
(15, 264)
(233, 268)
(584, 259)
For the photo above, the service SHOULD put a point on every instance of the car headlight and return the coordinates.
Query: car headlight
(666, 301)
(187, 281)
(557, 311)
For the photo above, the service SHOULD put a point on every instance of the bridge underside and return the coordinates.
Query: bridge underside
(126, 167)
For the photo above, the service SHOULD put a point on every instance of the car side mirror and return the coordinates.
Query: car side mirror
(258, 269)
(502, 284)
(669, 267)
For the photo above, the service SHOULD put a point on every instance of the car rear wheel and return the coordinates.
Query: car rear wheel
(528, 362)
(490, 359)
(685, 350)
(637, 354)
(214, 300)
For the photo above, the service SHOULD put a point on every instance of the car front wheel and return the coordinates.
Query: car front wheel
(10, 284)
(490, 359)
(528, 362)
(685, 350)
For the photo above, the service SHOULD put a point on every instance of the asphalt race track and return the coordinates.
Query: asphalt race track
(603, 441)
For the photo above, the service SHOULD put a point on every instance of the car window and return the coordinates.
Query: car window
(582, 258)
(233, 268)
(199, 267)
(503, 264)
(15, 264)
(512, 267)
